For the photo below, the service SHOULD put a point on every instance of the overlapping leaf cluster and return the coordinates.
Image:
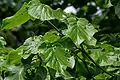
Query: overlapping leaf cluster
(68, 54)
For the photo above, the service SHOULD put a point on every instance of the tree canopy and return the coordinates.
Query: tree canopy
(40, 41)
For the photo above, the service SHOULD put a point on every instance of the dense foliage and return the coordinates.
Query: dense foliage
(81, 46)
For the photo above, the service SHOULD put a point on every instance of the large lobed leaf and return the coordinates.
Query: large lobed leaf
(79, 30)
(57, 58)
(14, 57)
(42, 11)
(19, 18)
(32, 44)
(51, 36)
(18, 73)
(55, 55)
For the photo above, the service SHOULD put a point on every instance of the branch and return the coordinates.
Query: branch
(56, 28)
(86, 67)
(83, 51)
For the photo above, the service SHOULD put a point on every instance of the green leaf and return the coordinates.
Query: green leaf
(15, 56)
(51, 36)
(2, 42)
(102, 76)
(104, 3)
(52, 73)
(80, 69)
(92, 42)
(31, 45)
(117, 9)
(41, 73)
(19, 18)
(79, 30)
(108, 4)
(17, 76)
(54, 55)
(13, 69)
(5, 50)
(42, 11)
(56, 58)
(71, 61)
(2, 63)
(66, 75)
(65, 42)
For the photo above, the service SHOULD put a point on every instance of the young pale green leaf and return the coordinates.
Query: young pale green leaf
(79, 30)
(15, 56)
(17, 76)
(5, 50)
(117, 9)
(19, 18)
(42, 11)
(102, 76)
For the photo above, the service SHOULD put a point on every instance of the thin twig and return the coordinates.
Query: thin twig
(56, 28)
(84, 52)
(86, 67)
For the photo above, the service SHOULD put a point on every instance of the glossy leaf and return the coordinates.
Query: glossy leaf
(51, 36)
(31, 45)
(56, 58)
(42, 11)
(17, 76)
(19, 18)
(92, 42)
(79, 30)
(15, 56)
